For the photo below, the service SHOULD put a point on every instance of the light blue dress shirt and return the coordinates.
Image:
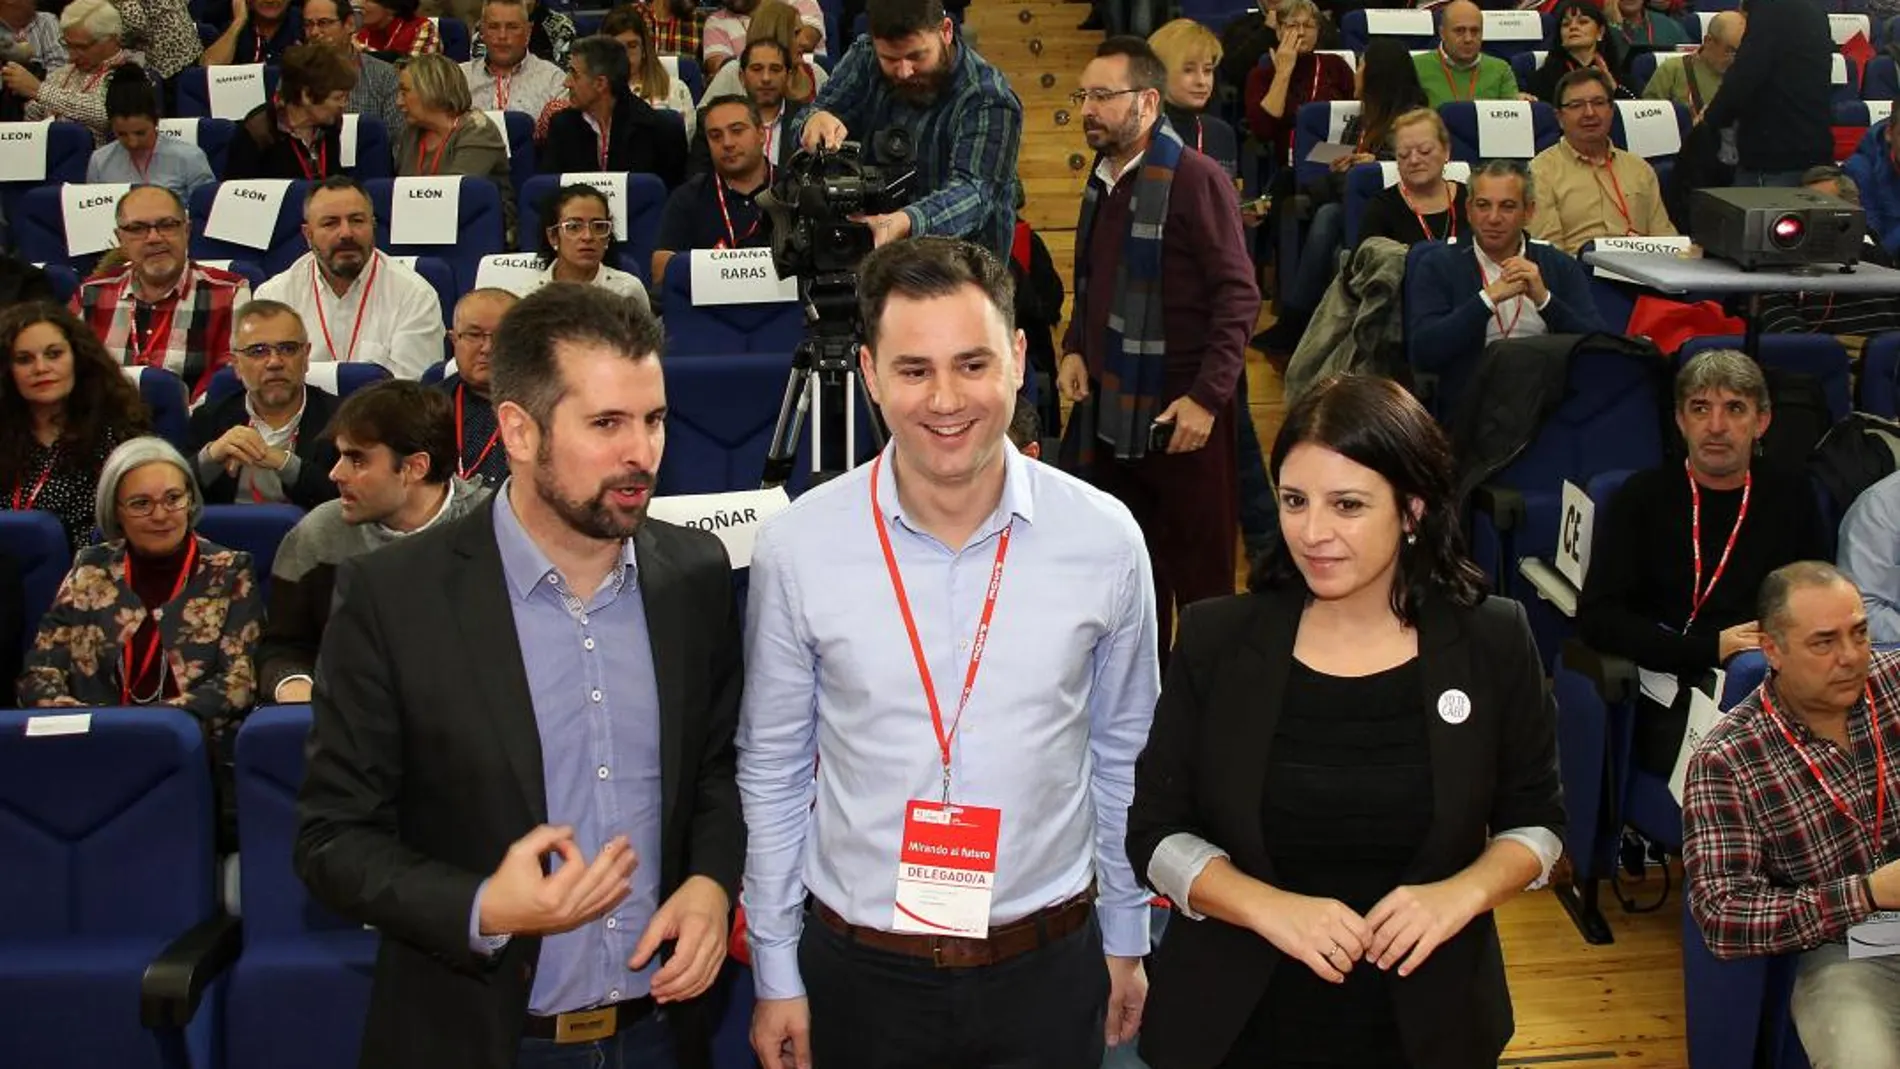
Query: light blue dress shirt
(1061, 708)
(1870, 555)
(597, 707)
(176, 165)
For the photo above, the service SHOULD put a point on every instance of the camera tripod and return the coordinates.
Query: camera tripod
(823, 377)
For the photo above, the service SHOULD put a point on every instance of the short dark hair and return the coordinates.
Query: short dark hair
(745, 54)
(310, 72)
(523, 363)
(402, 9)
(177, 201)
(334, 183)
(1771, 603)
(129, 95)
(931, 267)
(724, 99)
(1145, 69)
(1373, 422)
(606, 58)
(1581, 75)
(551, 213)
(406, 416)
(1025, 424)
(889, 20)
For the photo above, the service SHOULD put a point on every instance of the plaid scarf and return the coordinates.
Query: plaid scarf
(1135, 351)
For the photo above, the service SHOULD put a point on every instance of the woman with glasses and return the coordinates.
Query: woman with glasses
(579, 233)
(156, 615)
(1580, 37)
(1292, 74)
(64, 406)
(443, 133)
(90, 30)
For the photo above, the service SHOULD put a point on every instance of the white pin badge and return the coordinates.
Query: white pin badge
(1454, 706)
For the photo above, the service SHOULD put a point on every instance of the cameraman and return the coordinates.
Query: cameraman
(913, 72)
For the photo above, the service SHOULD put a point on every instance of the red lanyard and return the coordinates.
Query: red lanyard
(1200, 134)
(733, 237)
(144, 169)
(1451, 218)
(1616, 188)
(501, 90)
(321, 158)
(1517, 303)
(126, 675)
(149, 350)
(362, 304)
(30, 496)
(1698, 594)
(461, 444)
(1471, 86)
(603, 146)
(1880, 767)
(422, 165)
(289, 447)
(944, 737)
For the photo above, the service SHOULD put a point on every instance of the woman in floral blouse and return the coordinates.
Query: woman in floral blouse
(392, 30)
(156, 615)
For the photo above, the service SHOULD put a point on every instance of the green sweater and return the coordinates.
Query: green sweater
(1671, 82)
(1494, 82)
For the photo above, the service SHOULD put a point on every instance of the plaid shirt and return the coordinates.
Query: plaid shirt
(1771, 865)
(200, 308)
(673, 36)
(965, 142)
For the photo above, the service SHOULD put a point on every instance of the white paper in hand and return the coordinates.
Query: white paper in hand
(424, 210)
(91, 213)
(245, 213)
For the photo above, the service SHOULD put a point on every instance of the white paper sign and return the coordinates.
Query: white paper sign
(1339, 113)
(501, 126)
(1574, 532)
(1878, 110)
(91, 212)
(23, 151)
(520, 273)
(1844, 27)
(1669, 245)
(1505, 130)
(1347, 54)
(1538, 56)
(613, 185)
(1649, 127)
(39, 727)
(222, 265)
(245, 213)
(322, 375)
(734, 517)
(1453, 171)
(670, 64)
(1399, 22)
(1838, 76)
(1876, 937)
(185, 130)
(1705, 712)
(346, 139)
(235, 90)
(1513, 26)
(738, 276)
(424, 210)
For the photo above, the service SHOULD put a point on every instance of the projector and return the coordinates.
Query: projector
(1776, 227)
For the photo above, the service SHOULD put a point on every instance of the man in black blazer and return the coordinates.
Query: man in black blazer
(638, 137)
(521, 769)
(266, 444)
(763, 71)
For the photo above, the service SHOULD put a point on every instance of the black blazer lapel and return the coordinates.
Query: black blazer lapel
(1445, 655)
(666, 613)
(1259, 692)
(485, 617)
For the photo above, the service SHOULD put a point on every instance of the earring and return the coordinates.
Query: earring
(1411, 538)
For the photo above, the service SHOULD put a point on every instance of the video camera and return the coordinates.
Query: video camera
(818, 191)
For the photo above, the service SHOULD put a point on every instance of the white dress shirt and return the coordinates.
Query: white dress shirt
(531, 86)
(400, 323)
(1519, 317)
(614, 281)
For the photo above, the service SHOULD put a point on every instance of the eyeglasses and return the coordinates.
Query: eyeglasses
(142, 507)
(1097, 96)
(574, 228)
(266, 349)
(77, 46)
(167, 226)
(321, 24)
(1591, 104)
(1300, 24)
(477, 337)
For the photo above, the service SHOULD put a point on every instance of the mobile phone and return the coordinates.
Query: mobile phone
(1261, 204)
(1159, 434)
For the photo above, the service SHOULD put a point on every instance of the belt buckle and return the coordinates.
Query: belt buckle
(584, 1026)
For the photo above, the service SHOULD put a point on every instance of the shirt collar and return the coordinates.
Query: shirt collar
(523, 564)
(323, 288)
(448, 499)
(1609, 150)
(1475, 63)
(1018, 500)
(1110, 178)
(289, 428)
(180, 290)
(1523, 249)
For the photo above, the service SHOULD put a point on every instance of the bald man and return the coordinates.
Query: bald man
(477, 317)
(1691, 80)
(1459, 69)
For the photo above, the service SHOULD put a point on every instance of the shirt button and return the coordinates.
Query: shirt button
(612, 923)
(587, 619)
(614, 994)
(595, 695)
(587, 644)
(554, 579)
(963, 645)
(601, 772)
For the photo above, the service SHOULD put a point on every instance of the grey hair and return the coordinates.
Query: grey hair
(1289, 8)
(96, 17)
(1507, 168)
(128, 458)
(1722, 369)
(1771, 604)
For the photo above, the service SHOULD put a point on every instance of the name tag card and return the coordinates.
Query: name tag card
(1505, 130)
(235, 90)
(520, 273)
(1877, 110)
(1513, 26)
(613, 186)
(1574, 532)
(1838, 75)
(1649, 127)
(734, 517)
(1340, 113)
(40, 727)
(1672, 245)
(245, 213)
(1844, 27)
(424, 210)
(1876, 937)
(346, 139)
(185, 130)
(91, 213)
(1402, 22)
(1453, 171)
(1538, 56)
(501, 127)
(738, 276)
(671, 64)
(946, 870)
(23, 151)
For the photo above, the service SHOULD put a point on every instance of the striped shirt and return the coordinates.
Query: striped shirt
(965, 142)
(196, 315)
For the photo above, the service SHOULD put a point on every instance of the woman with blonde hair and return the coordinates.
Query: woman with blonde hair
(774, 21)
(1190, 51)
(444, 134)
(650, 82)
(1423, 205)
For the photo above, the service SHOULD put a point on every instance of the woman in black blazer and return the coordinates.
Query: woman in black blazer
(1350, 767)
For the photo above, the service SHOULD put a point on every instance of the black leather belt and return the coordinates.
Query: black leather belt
(586, 1026)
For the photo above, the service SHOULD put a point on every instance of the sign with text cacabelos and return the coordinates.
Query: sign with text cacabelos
(1513, 26)
(734, 517)
(520, 273)
(235, 90)
(423, 210)
(91, 212)
(612, 185)
(245, 213)
(738, 276)
(23, 151)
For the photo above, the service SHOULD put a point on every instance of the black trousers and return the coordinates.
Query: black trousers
(875, 1010)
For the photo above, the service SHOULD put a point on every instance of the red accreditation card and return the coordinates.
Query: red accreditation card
(946, 869)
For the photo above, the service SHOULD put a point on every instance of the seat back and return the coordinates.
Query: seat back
(687, 70)
(720, 414)
(212, 136)
(367, 151)
(43, 233)
(338, 380)
(63, 279)
(1365, 180)
(1652, 129)
(269, 760)
(1845, 78)
(455, 37)
(1417, 29)
(1316, 122)
(65, 151)
(1817, 356)
(194, 94)
(280, 248)
(1643, 68)
(1734, 1009)
(1879, 369)
(1524, 65)
(518, 129)
(478, 228)
(439, 275)
(1880, 80)
(255, 529)
(646, 200)
(718, 330)
(168, 402)
(1512, 33)
(38, 546)
(1492, 129)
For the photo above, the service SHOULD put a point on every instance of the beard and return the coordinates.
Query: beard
(593, 517)
(346, 270)
(923, 88)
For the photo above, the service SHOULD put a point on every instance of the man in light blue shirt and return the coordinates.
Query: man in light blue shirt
(1011, 756)
(27, 33)
(138, 154)
(1870, 555)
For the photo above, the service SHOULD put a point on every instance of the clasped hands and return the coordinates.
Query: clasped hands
(1518, 277)
(1402, 930)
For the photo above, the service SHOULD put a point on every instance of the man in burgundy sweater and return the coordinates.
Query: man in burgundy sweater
(1164, 303)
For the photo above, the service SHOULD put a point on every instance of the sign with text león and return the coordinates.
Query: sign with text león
(91, 211)
(23, 150)
(424, 209)
(738, 276)
(245, 213)
(185, 130)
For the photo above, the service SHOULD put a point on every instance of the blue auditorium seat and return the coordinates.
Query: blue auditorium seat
(1661, 162)
(691, 75)
(1643, 67)
(38, 546)
(1214, 14)
(519, 129)
(374, 157)
(1461, 119)
(437, 372)
(646, 199)
(1365, 180)
(1737, 1011)
(455, 37)
(1880, 375)
(298, 996)
(68, 149)
(1879, 81)
(1417, 29)
(478, 230)
(40, 231)
(1316, 122)
(1818, 356)
(255, 529)
(64, 280)
(109, 903)
(340, 380)
(1845, 78)
(1524, 65)
(718, 330)
(168, 401)
(720, 413)
(194, 96)
(251, 272)
(213, 138)
(439, 275)
(283, 245)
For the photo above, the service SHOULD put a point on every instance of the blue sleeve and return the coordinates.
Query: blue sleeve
(1445, 324)
(676, 222)
(1876, 190)
(1571, 309)
(1869, 537)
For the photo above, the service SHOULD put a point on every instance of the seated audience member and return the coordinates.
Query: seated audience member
(1784, 847)
(64, 406)
(719, 210)
(444, 136)
(297, 133)
(1870, 554)
(1692, 79)
(157, 615)
(164, 31)
(579, 234)
(1423, 205)
(392, 30)
(76, 92)
(162, 308)
(1634, 26)
(1580, 40)
(608, 128)
(1875, 169)
(779, 23)
(508, 76)
(21, 281)
(260, 33)
(28, 34)
(678, 26)
(479, 452)
(366, 306)
(374, 94)
(1191, 52)
(1778, 94)
(1025, 429)
(649, 81)
(1292, 74)
(1829, 313)
(730, 26)
(1500, 284)
(550, 35)
(761, 71)
(396, 477)
(1590, 188)
(137, 154)
(265, 444)
(1459, 68)
(1749, 519)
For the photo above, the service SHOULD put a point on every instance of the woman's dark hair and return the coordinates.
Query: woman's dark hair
(311, 72)
(408, 417)
(1373, 422)
(402, 9)
(129, 94)
(103, 406)
(1558, 60)
(558, 200)
(1390, 89)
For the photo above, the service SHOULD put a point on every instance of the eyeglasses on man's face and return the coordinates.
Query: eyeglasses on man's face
(264, 350)
(574, 228)
(142, 507)
(1097, 97)
(142, 228)
(1588, 104)
(477, 338)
